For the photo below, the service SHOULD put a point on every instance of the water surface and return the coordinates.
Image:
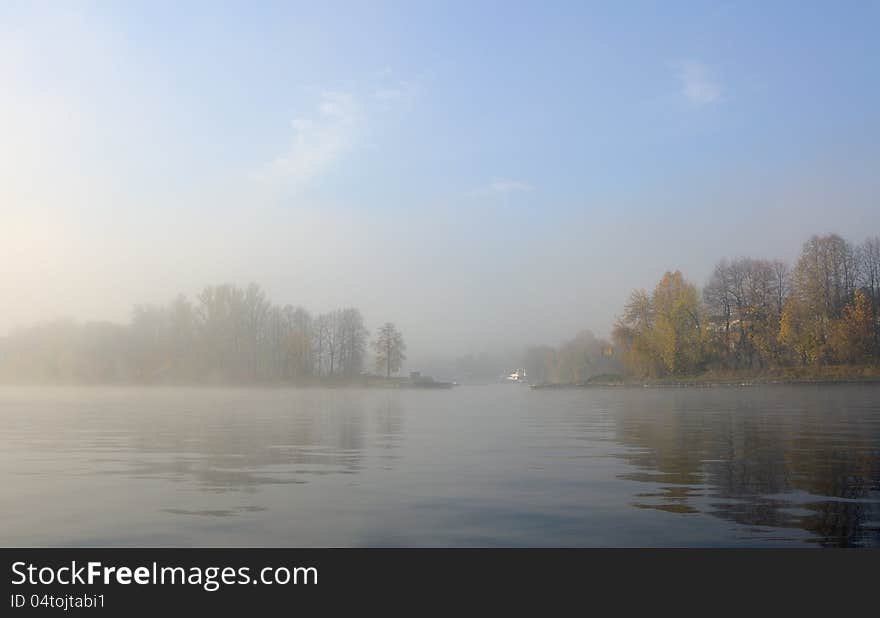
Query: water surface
(496, 465)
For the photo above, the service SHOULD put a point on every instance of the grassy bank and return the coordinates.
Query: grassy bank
(783, 375)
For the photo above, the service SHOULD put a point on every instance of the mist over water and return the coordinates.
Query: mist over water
(497, 465)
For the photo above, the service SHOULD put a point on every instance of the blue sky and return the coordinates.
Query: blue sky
(536, 160)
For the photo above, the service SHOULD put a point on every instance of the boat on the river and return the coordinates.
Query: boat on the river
(518, 376)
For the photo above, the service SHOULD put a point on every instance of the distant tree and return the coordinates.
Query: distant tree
(390, 348)
(221, 315)
(583, 357)
(149, 343)
(182, 335)
(321, 342)
(541, 364)
(300, 345)
(255, 309)
(351, 341)
(752, 314)
(272, 344)
(334, 341)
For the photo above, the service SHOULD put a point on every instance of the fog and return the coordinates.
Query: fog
(134, 168)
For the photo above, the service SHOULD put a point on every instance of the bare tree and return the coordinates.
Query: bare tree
(744, 298)
(390, 348)
(351, 341)
(718, 298)
(780, 285)
(323, 343)
(869, 256)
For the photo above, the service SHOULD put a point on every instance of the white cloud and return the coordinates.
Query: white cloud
(336, 127)
(697, 83)
(319, 140)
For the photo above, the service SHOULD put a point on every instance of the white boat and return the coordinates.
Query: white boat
(517, 376)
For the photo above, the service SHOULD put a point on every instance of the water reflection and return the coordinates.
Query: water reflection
(222, 441)
(481, 466)
(389, 426)
(806, 459)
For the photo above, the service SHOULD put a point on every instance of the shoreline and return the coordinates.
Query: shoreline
(715, 382)
(325, 383)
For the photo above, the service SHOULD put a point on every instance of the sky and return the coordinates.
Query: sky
(485, 175)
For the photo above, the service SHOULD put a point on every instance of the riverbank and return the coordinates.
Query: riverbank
(788, 375)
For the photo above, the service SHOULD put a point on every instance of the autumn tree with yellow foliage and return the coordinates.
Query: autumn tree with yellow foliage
(753, 314)
(663, 335)
(852, 335)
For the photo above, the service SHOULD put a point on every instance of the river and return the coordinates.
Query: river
(495, 465)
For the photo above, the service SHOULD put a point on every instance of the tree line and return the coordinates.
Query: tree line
(227, 334)
(758, 314)
(573, 362)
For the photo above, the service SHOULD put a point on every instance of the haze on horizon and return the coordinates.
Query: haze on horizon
(484, 175)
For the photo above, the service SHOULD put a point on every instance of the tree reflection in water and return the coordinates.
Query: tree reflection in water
(803, 458)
